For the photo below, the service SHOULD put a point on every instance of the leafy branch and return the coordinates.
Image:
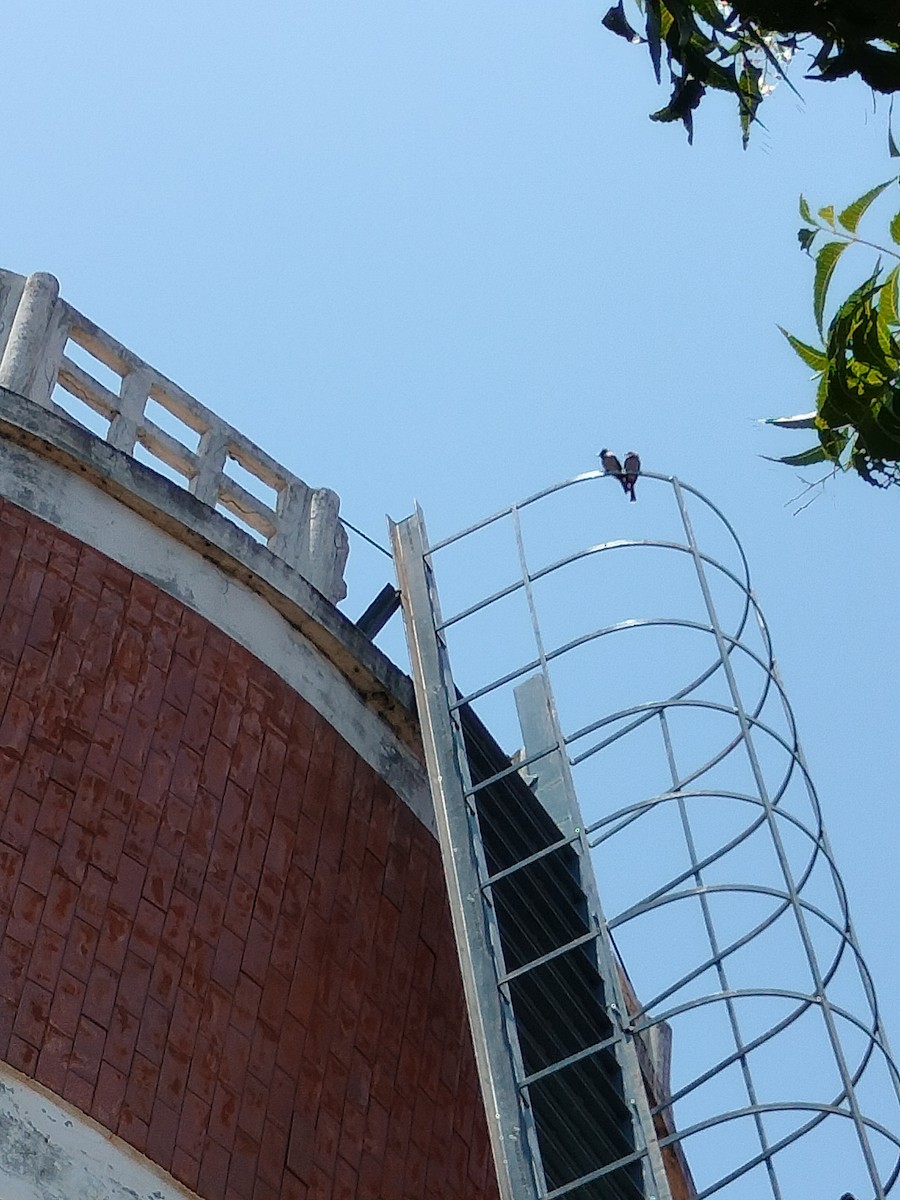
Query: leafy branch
(745, 46)
(857, 414)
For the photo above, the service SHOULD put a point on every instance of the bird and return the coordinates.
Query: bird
(848, 1196)
(612, 466)
(632, 470)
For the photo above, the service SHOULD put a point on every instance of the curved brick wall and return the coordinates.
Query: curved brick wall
(224, 937)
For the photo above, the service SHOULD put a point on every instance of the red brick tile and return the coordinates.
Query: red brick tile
(87, 1050)
(235, 1056)
(198, 965)
(121, 1039)
(151, 1042)
(133, 1129)
(213, 1170)
(34, 1013)
(69, 761)
(26, 585)
(34, 772)
(11, 864)
(180, 682)
(13, 631)
(272, 1154)
(25, 915)
(178, 923)
(174, 824)
(134, 983)
(18, 824)
(121, 794)
(46, 958)
(246, 1005)
(263, 1054)
(14, 959)
(239, 910)
(229, 953)
(214, 769)
(148, 926)
(112, 945)
(173, 1077)
(210, 914)
(160, 878)
(258, 952)
(244, 757)
(93, 898)
(74, 853)
(255, 1103)
(9, 769)
(193, 1125)
(166, 976)
(242, 1172)
(149, 693)
(65, 1008)
(53, 1060)
(184, 1026)
(125, 895)
(223, 1115)
(109, 1095)
(185, 1168)
(22, 1055)
(198, 723)
(100, 995)
(108, 843)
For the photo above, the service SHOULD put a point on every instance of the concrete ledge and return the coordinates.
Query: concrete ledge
(382, 686)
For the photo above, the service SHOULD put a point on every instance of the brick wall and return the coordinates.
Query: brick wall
(223, 936)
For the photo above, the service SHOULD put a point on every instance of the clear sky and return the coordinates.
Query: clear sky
(437, 252)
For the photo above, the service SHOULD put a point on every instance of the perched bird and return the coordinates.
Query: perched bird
(632, 470)
(848, 1196)
(612, 466)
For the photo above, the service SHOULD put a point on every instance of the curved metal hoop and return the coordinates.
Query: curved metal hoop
(717, 876)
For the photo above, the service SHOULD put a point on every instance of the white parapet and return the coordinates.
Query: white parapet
(37, 327)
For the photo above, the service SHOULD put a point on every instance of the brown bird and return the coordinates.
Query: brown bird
(632, 470)
(612, 466)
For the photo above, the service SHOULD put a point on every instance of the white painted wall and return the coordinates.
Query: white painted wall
(51, 1151)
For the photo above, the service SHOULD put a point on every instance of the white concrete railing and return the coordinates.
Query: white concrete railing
(36, 328)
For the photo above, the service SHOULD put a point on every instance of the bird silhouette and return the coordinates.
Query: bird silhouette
(632, 470)
(612, 466)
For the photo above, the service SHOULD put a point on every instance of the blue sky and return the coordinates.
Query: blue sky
(438, 253)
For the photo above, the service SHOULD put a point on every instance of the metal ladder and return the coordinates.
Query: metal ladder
(564, 1078)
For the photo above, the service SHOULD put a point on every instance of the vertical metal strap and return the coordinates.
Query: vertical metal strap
(510, 1125)
(790, 884)
(539, 721)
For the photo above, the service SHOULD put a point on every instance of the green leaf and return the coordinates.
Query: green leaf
(804, 210)
(893, 151)
(750, 99)
(707, 11)
(895, 228)
(827, 214)
(826, 261)
(616, 22)
(851, 215)
(807, 458)
(817, 359)
(888, 299)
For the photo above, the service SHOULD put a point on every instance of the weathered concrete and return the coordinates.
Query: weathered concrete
(51, 1151)
(36, 328)
(81, 484)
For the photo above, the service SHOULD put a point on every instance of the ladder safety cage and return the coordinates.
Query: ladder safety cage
(656, 751)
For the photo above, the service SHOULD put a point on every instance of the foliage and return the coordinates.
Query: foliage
(857, 414)
(744, 46)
